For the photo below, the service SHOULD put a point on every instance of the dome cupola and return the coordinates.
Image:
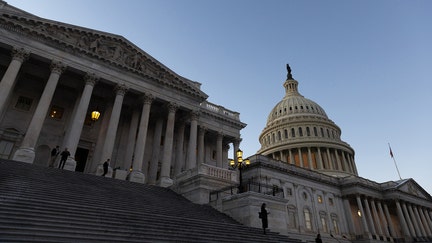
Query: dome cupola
(299, 132)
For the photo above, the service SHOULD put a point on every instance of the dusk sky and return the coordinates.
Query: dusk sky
(367, 63)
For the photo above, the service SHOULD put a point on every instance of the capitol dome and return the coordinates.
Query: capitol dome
(298, 131)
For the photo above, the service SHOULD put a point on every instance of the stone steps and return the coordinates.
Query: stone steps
(40, 204)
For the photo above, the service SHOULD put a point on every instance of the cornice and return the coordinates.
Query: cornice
(107, 48)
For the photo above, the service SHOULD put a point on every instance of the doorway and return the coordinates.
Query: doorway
(81, 159)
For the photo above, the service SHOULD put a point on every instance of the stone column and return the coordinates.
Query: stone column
(219, 148)
(428, 223)
(179, 158)
(165, 180)
(26, 152)
(408, 218)
(291, 156)
(154, 163)
(132, 136)
(376, 217)
(415, 221)
(369, 216)
(330, 161)
(347, 209)
(406, 231)
(389, 221)
(191, 156)
(8, 81)
(338, 161)
(300, 157)
(310, 158)
(201, 145)
(111, 132)
(78, 121)
(137, 174)
(385, 223)
(420, 221)
(363, 217)
(236, 146)
(320, 161)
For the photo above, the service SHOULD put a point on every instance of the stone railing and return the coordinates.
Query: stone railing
(217, 172)
(220, 110)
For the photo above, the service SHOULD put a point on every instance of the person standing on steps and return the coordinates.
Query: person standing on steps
(263, 216)
(105, 167)
(54, 153)
(64, 155)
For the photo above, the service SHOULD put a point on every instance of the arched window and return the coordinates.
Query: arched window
(308, 218)
(279, 136)
(315, 132)
(273, 137)
(292, 132)
(286, 133)
(308, 131)
(300, 132)
(322, 132)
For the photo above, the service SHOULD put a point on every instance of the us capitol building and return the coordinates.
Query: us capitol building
(102, 97)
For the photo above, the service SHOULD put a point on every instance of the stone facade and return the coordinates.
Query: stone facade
(157, 127)
(154, 123)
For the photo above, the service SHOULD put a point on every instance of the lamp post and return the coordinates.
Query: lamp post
(239, 163)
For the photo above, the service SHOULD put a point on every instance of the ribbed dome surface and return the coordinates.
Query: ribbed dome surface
(294, 105)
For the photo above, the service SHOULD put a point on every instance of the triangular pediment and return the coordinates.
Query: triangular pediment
(411, 187)
(106, 47)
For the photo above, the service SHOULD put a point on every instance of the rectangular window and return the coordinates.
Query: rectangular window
(5, 149)
(320, 199)
(289, 191)
(324, 225)
(308, 221)
(56, 112)
(24, 103)
(331, 201)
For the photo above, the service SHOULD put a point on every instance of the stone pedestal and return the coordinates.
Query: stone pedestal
(120, 174)
(70, 164)
(165, 182)
(26, 155)
(137, 176)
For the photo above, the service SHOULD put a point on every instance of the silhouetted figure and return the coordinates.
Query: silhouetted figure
(105, 167)
(263, 215)
(318, 239)
(64, 155)
(54, 153)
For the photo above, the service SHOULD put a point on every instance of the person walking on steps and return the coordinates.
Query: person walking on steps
(63, 157)
(105, 167)
(263, 216)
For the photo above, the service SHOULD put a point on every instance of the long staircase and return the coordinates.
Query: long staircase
(39, 204)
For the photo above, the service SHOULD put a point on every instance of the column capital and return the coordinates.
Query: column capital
(20, 54)
(172, 107)
(57, 67)
(120, 89)
(203, 129)
(91, 79)
(195, 114)
(147, 98)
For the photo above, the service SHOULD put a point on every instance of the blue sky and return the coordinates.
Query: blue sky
(367, 63)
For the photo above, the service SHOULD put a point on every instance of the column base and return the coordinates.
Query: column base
(137, 176)
(26, 155)
(70, 164)
(165, 182)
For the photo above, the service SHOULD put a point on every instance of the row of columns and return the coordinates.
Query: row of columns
(415, 221)
(315, 155)
(26, 152)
